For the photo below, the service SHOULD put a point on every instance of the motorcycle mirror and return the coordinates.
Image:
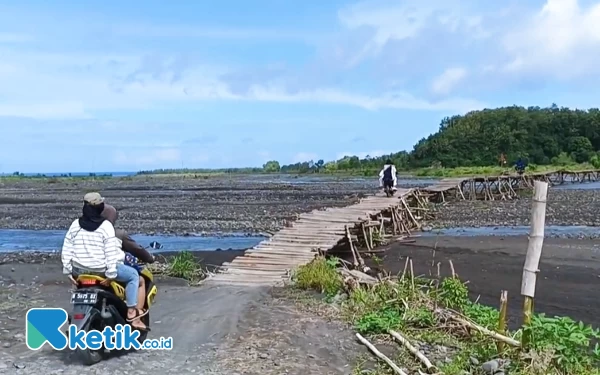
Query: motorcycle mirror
(155, 245)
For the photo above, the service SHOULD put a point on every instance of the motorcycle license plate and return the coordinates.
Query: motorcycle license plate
(84, 298)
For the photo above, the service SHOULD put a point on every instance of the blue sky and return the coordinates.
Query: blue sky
(124, 86)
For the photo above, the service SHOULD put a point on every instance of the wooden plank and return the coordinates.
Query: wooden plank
(225, 276)
(264, 261)
(239, 283)
(256, 272)
(296, 245)
(291, 246)
(267, 255)
(308, 241)
(288, 236)
(289, 253)
(258, 266)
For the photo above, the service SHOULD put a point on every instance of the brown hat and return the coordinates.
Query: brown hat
(93, 198)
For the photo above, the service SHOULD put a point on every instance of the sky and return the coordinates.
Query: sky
(90, 86)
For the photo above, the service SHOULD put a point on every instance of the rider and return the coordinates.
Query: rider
(520, 166)
(132, 250)
(387, 176)
(90, 246)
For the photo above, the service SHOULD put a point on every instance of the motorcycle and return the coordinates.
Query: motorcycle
(388, 188)
(96, 306)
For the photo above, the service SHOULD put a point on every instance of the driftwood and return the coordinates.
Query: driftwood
(380, 355)
(502, 318)
(485, 331)
(420, 356)
(361, 277)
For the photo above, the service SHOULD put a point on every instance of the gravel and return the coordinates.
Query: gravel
(175, 205)
(565, 208)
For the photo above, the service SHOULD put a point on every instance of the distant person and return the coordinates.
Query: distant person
(387, 176)
(520, 166)
(91, 247)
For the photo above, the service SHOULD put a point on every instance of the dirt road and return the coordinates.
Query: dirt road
(567, 282)
(215, 331)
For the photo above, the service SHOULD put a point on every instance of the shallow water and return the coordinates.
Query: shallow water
(550, 231)
(51, 240)
(579, 186)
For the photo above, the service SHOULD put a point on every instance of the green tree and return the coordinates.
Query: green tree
(272, 166)
(581, 149)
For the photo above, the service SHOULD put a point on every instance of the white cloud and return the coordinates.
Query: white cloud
(301, 157)
(445, 82)
(562, 39)
(401, 20)
(76, 86)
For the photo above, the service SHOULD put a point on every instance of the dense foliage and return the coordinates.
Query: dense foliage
(542, 136)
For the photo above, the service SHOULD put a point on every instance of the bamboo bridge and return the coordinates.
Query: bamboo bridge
(319, 231)
(371, 219)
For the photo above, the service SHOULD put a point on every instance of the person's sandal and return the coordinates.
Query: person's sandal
(139, 314)
(144, 328)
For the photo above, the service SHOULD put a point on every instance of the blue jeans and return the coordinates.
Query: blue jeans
(131, 278)
(125, 275)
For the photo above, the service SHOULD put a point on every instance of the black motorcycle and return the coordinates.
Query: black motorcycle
(96, 306)
(388, 186)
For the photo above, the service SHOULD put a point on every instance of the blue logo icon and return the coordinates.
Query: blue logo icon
(43, 326)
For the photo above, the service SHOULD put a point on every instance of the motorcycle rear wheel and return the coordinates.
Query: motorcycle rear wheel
(87, 356)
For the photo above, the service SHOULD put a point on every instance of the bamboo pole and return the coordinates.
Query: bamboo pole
(534, 252)
(487, 332)
(349, 237)
(364, 231)
(414, 351)
(502, 319)
(380, 355)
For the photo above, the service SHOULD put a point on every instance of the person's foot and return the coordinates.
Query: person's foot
(133, 318)
(138, 324)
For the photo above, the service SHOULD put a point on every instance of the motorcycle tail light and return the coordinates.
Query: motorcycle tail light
(88, 282)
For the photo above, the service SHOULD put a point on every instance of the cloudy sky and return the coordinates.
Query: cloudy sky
(123, 86)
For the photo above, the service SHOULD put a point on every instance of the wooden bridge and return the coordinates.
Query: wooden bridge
(271, 261)
(504, 186)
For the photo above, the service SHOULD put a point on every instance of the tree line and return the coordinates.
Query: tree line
(489, 137)
(539, 136)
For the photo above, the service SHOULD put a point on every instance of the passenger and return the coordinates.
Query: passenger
(132, 250)
(91, 247)
(388, 175)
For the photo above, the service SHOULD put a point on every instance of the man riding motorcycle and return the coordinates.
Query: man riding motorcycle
(387, 176)
(133, 251)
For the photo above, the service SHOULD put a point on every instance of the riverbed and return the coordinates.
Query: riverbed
(12, 240)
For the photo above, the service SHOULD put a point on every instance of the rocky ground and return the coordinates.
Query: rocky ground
(215, 330)
(177, 205)
(253, 204)
(565, 207)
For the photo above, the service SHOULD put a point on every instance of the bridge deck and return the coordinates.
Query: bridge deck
(445, 184)
(270, 262)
